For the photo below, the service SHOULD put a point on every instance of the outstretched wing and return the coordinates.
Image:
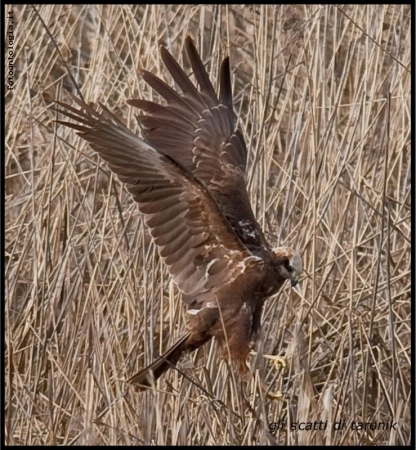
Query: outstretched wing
(198, 245)
(198, 130)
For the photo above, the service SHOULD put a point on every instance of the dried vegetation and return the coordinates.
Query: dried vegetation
(323, 98)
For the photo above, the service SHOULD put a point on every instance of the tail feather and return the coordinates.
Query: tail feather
(158, 367)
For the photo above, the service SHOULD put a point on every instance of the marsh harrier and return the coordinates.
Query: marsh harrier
(188, 177)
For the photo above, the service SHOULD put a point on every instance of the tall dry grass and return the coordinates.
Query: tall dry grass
(323, 97)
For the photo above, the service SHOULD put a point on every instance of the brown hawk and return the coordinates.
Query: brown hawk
(188, 177)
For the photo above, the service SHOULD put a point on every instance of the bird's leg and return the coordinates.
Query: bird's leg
(276, 359)
(279, 362)
(278, 395)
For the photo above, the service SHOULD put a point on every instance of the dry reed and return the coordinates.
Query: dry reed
(323, 97)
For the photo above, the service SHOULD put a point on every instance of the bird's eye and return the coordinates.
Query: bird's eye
(289, 268)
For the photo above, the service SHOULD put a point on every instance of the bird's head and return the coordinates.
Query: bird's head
(289, 264)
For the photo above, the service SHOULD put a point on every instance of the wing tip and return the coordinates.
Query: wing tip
(189, 40)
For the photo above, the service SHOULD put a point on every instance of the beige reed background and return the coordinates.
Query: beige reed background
(323, 98)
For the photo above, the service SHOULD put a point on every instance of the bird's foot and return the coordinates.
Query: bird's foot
(278, 361)
(279, 395)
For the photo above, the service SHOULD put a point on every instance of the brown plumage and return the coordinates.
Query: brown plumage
(188, 178)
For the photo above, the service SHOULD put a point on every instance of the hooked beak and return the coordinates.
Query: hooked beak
(294, 280)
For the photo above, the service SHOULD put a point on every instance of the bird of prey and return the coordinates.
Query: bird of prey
(187, 175)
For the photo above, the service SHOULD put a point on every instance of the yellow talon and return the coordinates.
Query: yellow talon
(277, 360)
(277, 396)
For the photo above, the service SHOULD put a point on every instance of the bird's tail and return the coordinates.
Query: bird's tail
(157, 368)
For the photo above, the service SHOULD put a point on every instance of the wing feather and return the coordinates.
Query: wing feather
(199, 71)
(187, 225)
(198, 130)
